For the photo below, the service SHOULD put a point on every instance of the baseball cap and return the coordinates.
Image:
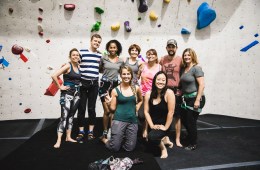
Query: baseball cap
(172, 41)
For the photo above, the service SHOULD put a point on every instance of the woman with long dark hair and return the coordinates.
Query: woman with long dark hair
(158, 110)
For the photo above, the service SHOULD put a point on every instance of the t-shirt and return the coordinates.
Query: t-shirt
(110, 69)
(188, 80)
(89, 65)
(172, 69)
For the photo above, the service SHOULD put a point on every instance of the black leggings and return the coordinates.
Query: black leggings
(189, 119)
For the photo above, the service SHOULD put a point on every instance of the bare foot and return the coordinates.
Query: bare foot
(167, 142)
(178, 143)
(57, 144)
(70, 140)
(164, 153)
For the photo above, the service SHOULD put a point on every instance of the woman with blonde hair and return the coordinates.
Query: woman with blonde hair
(192, 86)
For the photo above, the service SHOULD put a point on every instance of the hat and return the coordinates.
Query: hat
(172, 41)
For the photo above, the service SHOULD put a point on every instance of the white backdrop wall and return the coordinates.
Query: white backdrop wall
(232, 77)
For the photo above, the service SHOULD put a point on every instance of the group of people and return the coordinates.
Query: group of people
(154, 92)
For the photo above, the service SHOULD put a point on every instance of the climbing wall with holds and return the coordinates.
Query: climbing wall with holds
(36, 37)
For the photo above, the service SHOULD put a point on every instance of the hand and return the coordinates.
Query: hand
(196, 104)
(156, 127)
(162, 127)
(178, 92)
(62, 87)
(108, 99)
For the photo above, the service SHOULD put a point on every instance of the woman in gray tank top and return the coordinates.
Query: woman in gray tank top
(132, 61)
(109, 66)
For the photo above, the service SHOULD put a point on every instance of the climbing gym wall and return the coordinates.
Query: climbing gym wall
(36, 36)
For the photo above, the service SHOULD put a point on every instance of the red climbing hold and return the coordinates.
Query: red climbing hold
(25, 59)
(28, 110)
(41, 33)
(39, 18)
(16, 49)
(48, 41)
(69, 7)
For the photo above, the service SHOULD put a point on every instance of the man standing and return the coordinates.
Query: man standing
(171, 65)
(89, 68)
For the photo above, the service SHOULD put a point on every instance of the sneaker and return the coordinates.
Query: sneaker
(190, 147)
(90, 135)
(80, 138)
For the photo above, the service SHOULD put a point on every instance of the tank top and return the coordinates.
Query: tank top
(71, 78)
(126, 108)
(135, 69)
(159, 112)
(147, 78)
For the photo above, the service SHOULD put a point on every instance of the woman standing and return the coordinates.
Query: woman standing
(192, 86)
(132, 61)
(125, 100)
(148, 70)
(69, 98)
(109, 66)
(159, 109)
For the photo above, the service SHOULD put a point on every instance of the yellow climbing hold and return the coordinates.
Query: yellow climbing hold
(153, 16)
(115, 27)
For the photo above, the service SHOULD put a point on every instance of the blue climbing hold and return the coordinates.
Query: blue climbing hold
(249, 46)
(4, 62)
(241, 27)
(205, 15)
(256, 35)
(185, 31)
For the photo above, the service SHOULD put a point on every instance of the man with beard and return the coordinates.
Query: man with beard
(171, 65)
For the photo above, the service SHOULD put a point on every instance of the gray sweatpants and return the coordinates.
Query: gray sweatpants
(122, 134)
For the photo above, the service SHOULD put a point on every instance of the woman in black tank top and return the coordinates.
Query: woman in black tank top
(69, 97)
(158, 110)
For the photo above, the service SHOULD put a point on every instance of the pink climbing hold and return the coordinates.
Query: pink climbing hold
(69, 7)
(16, 49)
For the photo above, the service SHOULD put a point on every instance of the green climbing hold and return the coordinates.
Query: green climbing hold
(96, 26)
(99, 10)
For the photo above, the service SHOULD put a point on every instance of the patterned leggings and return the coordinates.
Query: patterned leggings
(69, 105)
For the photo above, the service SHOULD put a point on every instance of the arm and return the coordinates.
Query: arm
(146, 110)
(65, 68)
(201, 84)
(141, 67)
(170, 99)
(112, 101)
(139, 98)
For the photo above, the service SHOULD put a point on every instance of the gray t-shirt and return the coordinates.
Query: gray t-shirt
(111, 70)
(135, 69)
(188, 80)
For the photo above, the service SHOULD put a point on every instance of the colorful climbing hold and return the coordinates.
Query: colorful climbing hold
(9, 78)
(39, 18)
(16, 49)
(69, 7)
(41, 33)
(139, 18)
(185, 31)
(96, 26)
(115, 27)
(25, 59)
(99, 10)
(241, 27)
(28, 110)
(1, 47)
(205, 15)
(159, 25)
(48, 41)
(127, 26)
(40, 9)
(153, 16)
(256, 35)
(4, 62)
(249, 46)
(143, 7)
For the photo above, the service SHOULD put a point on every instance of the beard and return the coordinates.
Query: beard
(171, 53)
